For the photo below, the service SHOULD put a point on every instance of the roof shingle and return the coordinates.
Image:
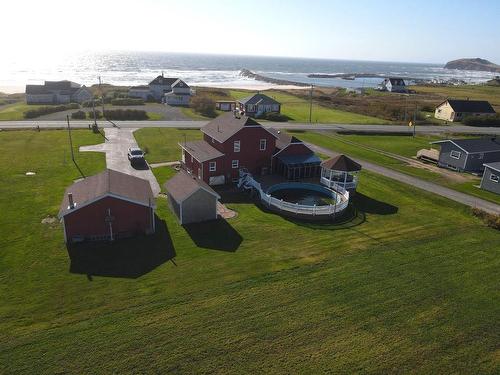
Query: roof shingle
(182, 185)
(201, 150)
(225, 126)
(108, 182)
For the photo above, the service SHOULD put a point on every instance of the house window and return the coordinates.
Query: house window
(235, 164)
(494, 178)
(455, 154)
(236, 146)
(251, 108)
(212, 166)
(263, 144)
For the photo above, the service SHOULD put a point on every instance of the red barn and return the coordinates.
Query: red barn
(230, 142)
(108, 205)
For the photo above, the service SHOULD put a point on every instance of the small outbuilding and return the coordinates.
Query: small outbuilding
(107, 206)
(340, 171)
(191, 199)
(394, 85)
(491, 177)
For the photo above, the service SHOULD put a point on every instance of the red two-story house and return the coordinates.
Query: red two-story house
(230, 142)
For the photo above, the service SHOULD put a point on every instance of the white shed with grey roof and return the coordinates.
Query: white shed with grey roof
(191, 199)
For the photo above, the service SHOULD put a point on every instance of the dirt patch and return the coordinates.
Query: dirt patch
(49, 220)
(225, 212)
(449, 175)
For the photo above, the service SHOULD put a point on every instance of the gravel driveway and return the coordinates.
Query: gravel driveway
(116, 147)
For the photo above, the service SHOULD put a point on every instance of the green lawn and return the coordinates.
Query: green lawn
(162, 144)
(403, 145)
(297, 109)
(14, 112)
(410, 287)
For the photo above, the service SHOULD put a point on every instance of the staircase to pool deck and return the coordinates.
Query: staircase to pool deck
(247, 182)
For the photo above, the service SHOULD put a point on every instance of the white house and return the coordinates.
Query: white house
(394, 85)
(57, 92)
(172, 91)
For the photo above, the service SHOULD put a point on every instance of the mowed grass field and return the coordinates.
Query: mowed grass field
(297, 109)
(14, 112)
(409, 286)
(406, 146)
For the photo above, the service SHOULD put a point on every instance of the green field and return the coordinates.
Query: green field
(403, 145)
(14, 112)
(297, 110)
(162, 144)
(409, 286)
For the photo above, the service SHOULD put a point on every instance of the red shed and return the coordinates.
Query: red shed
(108, 205)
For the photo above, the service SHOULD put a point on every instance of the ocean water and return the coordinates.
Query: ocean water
(135, 68)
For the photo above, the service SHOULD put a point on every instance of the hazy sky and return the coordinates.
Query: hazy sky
(405, 30)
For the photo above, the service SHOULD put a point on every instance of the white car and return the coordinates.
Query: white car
(135, 154)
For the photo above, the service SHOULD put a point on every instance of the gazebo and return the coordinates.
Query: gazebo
(340, 171)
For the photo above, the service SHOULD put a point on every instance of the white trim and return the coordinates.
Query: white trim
(237, 149)
(463, 149)
(491, 167)
(107, 195)
(64, 230)
(214, 169)
(496, 176)
(180, 212)
(265, 144)
(237, 164)
(456, 152)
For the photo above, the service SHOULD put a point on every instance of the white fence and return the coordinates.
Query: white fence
(341, 201)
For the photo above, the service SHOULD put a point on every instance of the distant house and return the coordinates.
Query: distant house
(172, 91)
(455, 110)
(140, 92)
(292, 158)
(57, 92)
(180, 94)
(468, 155)
(394, 85)
(230, 142)
(258, 104)
(191, 199)
(225, 105)
(491, 177)
(107, 206)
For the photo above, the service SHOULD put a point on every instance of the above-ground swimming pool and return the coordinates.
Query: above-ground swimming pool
(303, 194)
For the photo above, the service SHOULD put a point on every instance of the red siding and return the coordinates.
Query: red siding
(194, 165)
(129, 218)
(296, 149)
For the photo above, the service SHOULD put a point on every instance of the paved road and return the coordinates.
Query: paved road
(194, 124)
(116, 148)
(424, 185)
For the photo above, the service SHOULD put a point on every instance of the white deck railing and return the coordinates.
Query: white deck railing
(332, 184)
(246, 181)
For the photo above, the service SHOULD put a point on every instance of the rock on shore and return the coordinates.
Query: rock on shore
(473, 64)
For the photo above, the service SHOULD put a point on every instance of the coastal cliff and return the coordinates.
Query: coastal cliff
(473, 64)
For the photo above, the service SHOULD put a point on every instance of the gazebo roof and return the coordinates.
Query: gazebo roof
(341, 163)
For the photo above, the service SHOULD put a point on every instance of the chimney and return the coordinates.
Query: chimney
(70, 200)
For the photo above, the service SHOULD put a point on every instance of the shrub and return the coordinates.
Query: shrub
(127, 101)
(204, 105)
(125, 114)
(32, 113)
(88, 104)
(482, 120)
(78, 115)
(491, 220)
(275, 116)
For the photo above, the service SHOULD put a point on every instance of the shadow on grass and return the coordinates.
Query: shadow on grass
(214, 235)
(127, 258)
(372, 206)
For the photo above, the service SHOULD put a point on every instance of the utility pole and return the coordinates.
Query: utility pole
(70, 140)
(311, 103)
(102, 97)
(415, 120)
